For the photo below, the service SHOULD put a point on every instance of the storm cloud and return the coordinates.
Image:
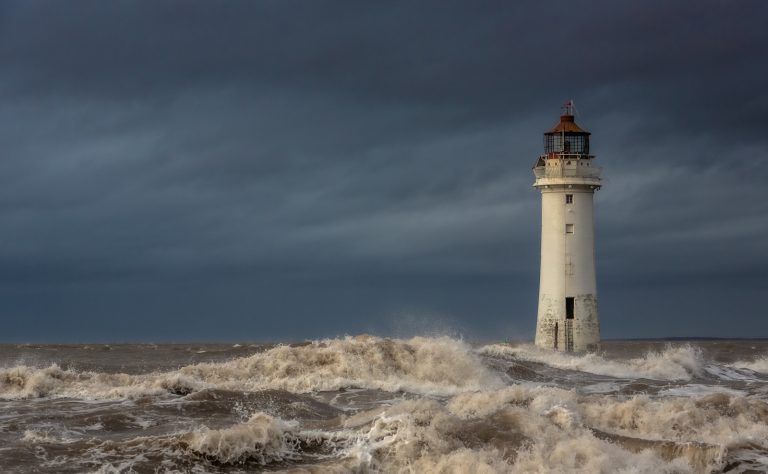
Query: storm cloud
(295, 169)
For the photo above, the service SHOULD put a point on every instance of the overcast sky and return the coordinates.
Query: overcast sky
(281, 170)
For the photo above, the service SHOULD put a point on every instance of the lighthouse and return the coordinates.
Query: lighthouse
(567, 179)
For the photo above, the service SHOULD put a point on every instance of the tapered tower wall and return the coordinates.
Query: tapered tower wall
(567, 270)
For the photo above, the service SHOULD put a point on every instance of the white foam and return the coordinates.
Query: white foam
(546, 436)
(94, 427)
(262, 438)
(715, 417)
(673, 363)
(698, 390)
(758, 365)
(534, 429)
(601, 387)
(718, 418)
(730, 373)
(420, 365)
(57, 435)
(440, 366)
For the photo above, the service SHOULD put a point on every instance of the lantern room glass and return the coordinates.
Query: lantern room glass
(571, 143)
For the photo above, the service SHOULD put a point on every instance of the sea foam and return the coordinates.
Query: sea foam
(673, 363)
(760, 364)
(439, 366)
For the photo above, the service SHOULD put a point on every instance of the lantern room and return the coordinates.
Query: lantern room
(567, 137)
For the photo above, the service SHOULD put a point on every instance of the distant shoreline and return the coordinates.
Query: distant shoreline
(307, 341)
(688, 338)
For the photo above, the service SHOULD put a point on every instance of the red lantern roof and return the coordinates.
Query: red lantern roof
(567, 125)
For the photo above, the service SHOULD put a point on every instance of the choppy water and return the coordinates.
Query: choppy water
(367, 404)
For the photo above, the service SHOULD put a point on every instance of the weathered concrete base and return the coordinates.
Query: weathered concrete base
(555, 331)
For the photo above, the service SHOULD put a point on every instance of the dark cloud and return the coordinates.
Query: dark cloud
(296, 169)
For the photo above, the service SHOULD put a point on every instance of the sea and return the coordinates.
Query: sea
(363, 404)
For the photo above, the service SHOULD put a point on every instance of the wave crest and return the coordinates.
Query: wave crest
(760, 364)
(536, 431)
(262, 438)
(441, 366)
(420, 365)
(673, 363)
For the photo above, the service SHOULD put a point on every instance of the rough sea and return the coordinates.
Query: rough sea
(367, 404)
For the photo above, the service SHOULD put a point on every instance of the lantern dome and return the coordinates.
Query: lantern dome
(566, 137)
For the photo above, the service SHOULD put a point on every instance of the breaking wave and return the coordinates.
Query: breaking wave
(262, 439)
(509, 430)
(440, 366)
(758, 365)
(709, 424)
(673, 363)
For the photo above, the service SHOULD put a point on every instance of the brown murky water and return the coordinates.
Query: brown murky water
(368, 404)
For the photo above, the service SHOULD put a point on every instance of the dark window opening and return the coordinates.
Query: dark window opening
(555, 335)
(569, 198)
(569, 307)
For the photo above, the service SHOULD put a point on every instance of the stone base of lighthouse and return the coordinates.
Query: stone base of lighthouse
(555, 331)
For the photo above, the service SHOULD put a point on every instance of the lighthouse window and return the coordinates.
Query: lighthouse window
(569, 198)
(569, 228)
(569, 307)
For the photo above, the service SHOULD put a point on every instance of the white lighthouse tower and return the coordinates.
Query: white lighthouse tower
(567, 178)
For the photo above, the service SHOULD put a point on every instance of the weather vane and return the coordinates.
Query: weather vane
(569, 108)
